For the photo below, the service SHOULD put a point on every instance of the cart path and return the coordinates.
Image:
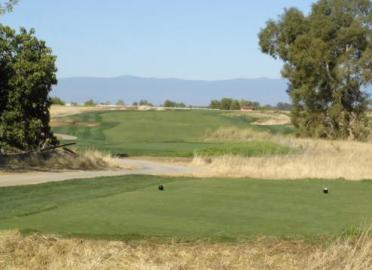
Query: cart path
(142, 167)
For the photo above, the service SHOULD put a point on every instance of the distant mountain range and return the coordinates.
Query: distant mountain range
(191, 92)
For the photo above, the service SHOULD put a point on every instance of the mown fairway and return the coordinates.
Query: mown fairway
(221, 209)
(164, 133)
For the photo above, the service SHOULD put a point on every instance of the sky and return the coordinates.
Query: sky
(186, 39)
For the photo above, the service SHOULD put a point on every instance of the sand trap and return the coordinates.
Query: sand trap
(65, 137)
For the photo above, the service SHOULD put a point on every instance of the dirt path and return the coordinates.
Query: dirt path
(145, 167)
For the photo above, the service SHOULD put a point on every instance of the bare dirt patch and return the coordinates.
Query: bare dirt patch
(273, 120)
(65, 137)
(265, 118)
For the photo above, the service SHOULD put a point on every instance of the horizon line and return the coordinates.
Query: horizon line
(165, 78)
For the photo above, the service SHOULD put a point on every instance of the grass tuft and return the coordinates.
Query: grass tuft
(59, 160)
(37, 251)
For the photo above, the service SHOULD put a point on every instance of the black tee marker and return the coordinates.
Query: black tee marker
(161, 187)
(325, 190)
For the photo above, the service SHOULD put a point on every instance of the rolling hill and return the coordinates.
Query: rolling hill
(193, 92)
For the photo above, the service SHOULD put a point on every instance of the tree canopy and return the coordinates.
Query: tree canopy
(6, 6)
(328, 61)
(232, 104)
(173, 104)
(28, 71)
(57, 101)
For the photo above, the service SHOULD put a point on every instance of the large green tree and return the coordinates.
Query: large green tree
(27, 70)
(6, 6)
(327, 58)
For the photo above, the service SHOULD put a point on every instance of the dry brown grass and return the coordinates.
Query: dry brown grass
(59, 160)
(234, 134)
(61, 111)
(61, 122)
(316, 158)
(50, 252)
(346, 254)
(271, 118)
(267, 118)
(58, 114)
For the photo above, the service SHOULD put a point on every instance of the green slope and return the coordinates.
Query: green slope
(132, 207)
(160, 133)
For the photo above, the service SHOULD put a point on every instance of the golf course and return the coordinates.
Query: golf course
(132, 207)
(166, 133)
(189, 208)
(186, 135)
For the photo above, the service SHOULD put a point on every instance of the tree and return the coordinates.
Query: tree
(169, 104)
(180, 105)
(120, 102)
(226, 103)
(28, 71)
(215, 104)
(7, 6)
(328, 60)
(144, 102)
(369, 104)
(90, 103)
(232, 104)
(248, 103)
(57, 101)
(283, 106)
(172, 104)
(235, 105)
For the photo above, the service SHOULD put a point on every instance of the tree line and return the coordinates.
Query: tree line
(236, 104)
(223, 104)
(232, 104)
(327, 57)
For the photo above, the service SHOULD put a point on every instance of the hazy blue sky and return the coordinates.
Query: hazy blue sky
(190, 39)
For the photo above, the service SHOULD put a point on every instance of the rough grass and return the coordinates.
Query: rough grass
(234, 134)
(247, 149)
(59, 160)
(317, 158)
(57, 111)
(39, 252)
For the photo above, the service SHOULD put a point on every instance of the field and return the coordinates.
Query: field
(131, 207)
(254, 201)
(163, 133)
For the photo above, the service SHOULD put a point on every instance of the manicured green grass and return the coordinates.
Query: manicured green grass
(222, 209)
(158, 133)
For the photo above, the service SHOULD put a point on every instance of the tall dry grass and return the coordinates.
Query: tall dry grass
(346, 254)
(50, 252)
(234, 134)
(315, 158)
(60, 160)
(61, 111)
